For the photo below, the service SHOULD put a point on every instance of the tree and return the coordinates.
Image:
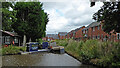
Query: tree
(7, 16)
(31, 20)
(110, 14)
(92, 4)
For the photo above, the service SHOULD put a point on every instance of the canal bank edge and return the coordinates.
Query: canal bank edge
(83, 62)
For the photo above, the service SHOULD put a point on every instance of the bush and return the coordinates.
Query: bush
(62, 42)
(93, 51)
(12, 50)
(40, 40)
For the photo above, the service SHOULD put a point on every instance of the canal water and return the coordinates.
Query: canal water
(41, 59)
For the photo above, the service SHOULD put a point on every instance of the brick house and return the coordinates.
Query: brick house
(75, 34)
(62, 35)
(71, 34)
(78, 32)
(68, 35)
(95, 31)
(50, 37)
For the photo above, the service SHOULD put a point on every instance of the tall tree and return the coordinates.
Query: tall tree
(7, 16)
(31, 20)
(110, 14)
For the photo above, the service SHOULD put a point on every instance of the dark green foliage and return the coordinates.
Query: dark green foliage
(7, 16)
(110, 14)
(26, 18)
(31, 20)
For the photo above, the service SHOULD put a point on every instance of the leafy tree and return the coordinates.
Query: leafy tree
(110, 14)
(7, 16)
(31, 20)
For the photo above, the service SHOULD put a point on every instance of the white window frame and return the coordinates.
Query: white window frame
(83, 31)
(93, 28)
(16, 40)
(118, 35)
(7, 39)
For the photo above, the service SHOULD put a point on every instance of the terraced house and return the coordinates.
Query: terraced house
(78, 33)
(50, 37)
(93, 31)
(62, 35)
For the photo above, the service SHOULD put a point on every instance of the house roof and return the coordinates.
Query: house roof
(92, 25)
(76, 29)
(10, 33)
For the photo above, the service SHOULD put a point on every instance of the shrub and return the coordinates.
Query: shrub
(40, 40)
(12, 50)
(90, 49)
(62, 42)
(94, 51)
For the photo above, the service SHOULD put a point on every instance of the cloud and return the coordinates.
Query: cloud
(65, 16)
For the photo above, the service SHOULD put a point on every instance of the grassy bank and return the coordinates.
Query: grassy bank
(93, 51)
(10, 50)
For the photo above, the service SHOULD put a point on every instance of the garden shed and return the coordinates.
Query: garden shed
(10, 38)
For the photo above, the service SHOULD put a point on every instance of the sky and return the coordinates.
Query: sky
(66, 15)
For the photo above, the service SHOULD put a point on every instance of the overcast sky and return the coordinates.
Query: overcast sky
(66, 16)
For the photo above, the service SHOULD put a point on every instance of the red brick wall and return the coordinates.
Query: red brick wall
(61, 37)
(78, 34)
(100, 32)
(90, 33)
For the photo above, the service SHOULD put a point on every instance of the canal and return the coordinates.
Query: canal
(41, 59)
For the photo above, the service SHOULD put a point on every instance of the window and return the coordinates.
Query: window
(87, 31)
(98, 37)
(83, 31)
(74, 33)
(16, 40)
(93, 28)
(112, 36)
(106, 36)
(98, 27)
(109, 37)
(118, 35)
(69, 34)
(7, 39)
(93, 37)
(85, 35)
